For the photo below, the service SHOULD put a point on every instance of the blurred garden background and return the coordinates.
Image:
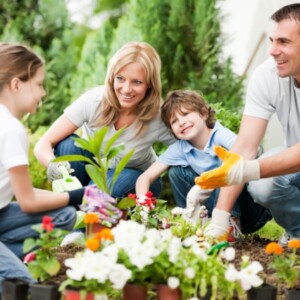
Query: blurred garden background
(186, 33)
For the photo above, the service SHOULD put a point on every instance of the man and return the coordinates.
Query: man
(273, 88)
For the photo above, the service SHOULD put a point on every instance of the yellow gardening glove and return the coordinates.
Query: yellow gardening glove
(234, 170)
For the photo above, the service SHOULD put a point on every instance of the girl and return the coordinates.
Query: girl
(21, 91)
(130, 98)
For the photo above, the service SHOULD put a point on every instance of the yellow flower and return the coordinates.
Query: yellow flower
(91, 218)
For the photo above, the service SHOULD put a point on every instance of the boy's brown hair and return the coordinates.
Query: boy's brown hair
(190, 100)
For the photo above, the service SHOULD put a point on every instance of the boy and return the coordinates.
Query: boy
(193, 123)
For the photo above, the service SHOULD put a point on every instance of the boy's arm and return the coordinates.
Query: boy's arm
(145, 179)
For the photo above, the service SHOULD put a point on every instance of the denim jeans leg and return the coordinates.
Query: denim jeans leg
(67, 147)
(11, 267)
(126, 181)
(15, 225)
(281, 196)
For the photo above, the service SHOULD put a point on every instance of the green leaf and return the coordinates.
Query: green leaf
(126, 203)
(83, 143)
(74, 157)
(111, 141)
(114, 151)
(98, 138)
(51, 266)
(98, 176)
(29, 244)
(121, 165)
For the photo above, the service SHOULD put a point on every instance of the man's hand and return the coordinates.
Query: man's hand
(219, 226)
(53, 171)
(234, 170)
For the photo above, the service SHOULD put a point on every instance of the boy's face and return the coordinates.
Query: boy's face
(188, 125)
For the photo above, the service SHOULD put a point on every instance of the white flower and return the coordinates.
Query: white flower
(228, 254)
(232, 274)
(119, 276)
(174, 249)
(189, 273)
(139, 256)
(100, 297)
(173, 282)
(249, 277)
(127, 233)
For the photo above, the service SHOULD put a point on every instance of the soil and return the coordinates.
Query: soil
(252, 246)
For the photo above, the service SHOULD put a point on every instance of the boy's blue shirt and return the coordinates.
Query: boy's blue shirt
(183, 153)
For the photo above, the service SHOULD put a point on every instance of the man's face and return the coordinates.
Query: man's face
(285, 48)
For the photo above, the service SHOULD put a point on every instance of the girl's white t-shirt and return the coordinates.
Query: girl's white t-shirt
(13, 151)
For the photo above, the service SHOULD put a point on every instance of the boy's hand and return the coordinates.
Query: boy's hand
(218, 228)
(234, 170)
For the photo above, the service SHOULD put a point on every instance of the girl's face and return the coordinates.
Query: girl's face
(31, 93)
(189, 125)
(130, 86)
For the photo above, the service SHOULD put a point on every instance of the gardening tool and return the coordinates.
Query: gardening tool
(67, 183)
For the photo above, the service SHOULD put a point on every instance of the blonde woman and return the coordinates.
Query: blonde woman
(130, 98)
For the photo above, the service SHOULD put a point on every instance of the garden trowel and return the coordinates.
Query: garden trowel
(67, 183)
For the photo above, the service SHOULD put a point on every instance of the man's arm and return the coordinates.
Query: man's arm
(251, 133)
(285, 162)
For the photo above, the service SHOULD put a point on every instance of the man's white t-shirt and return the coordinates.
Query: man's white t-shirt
(85, 111)
(268, 94)
(13, 151)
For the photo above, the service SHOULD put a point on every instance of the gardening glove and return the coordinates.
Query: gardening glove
(194, 200)
(234, 170)
(53, 171)
(219, 226)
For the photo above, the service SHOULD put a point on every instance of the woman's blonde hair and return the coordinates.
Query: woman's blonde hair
(149, 59)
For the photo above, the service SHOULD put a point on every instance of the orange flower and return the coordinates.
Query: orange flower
(273, 248)
(92, 244)
(105, 234)
(294, 244)
(91, 218)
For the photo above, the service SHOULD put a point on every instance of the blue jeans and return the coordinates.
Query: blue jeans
(281, 195)
(125, 183)
(252, 215)
(15, 227)
(12, 267)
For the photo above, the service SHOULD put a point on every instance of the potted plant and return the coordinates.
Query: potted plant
(95, 273)
(287, 266)
(42, 262)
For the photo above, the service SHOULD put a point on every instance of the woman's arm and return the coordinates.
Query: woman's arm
(144, 181)
(59, 130)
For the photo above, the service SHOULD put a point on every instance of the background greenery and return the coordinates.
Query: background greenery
(186, 33)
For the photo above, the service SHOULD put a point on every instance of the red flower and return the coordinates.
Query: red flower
(132, 196)
(47, 223)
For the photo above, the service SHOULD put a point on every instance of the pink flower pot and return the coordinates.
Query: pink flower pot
(75, 295)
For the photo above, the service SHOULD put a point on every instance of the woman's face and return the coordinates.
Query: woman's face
(130, 86)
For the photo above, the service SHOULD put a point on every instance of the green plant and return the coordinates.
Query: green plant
(42, 263)
(97, 168)
(286, 265)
